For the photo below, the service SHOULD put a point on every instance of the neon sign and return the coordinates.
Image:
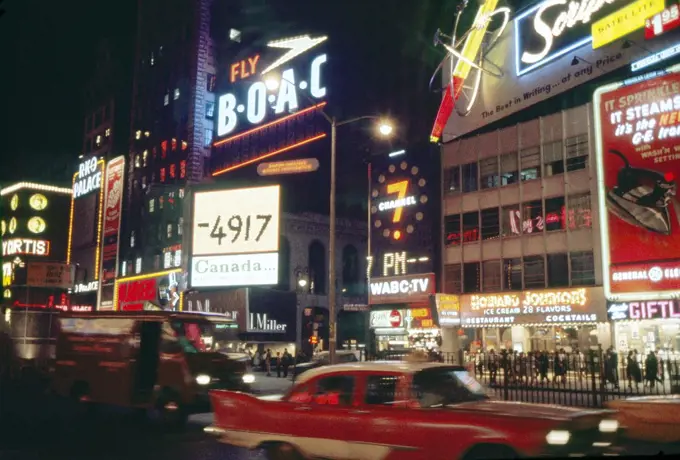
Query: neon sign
(402, 200)
(659, 309)
(89, 177)
(25, 246)
(543, 33)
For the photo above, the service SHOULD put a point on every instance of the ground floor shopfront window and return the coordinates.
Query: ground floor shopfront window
(544, 338)
(661, 336)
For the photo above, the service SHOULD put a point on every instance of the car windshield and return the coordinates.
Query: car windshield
(201, 336)
(443, 386)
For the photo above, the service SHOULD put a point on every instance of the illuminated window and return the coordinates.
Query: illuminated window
(208, 137)
(147, 134)
(161, 200)
(98, 140)
(173, 170)
(491, 271)
(509, 169)
(182, 172)
(162, 174)
(138, 265)
(152, 205)
(510, 220)
(138, 163)
(181, 191)
(180, 224)
(168, 231)
(532, 217)
(555, 215)
(176, 95)
(107, 133)
(178, 258)
(152, 60)
(553, 158)
(167, 259)
(138, 135)
(470, 226)
(132, 239)
(174, 144)
(145, 158)
(123, 268)
(579, 214)
(209, 110)
(534, 272)
(452, 230)
(530, 163)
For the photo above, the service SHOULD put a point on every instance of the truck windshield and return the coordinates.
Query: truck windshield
(443, 386)
(200, 336)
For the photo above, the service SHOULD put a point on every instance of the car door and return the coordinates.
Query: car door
(383, 418)
(321, 418)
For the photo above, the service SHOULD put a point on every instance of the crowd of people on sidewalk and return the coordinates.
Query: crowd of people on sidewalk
(266, 361)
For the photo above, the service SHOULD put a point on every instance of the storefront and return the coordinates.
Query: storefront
(646, 326)
(538, 320)
(162, 290)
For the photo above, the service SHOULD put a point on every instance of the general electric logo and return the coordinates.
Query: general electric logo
(655, 274)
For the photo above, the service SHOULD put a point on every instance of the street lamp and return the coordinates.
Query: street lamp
(384, 129)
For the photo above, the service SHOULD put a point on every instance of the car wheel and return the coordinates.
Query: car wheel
(490, 452)
(283, 451)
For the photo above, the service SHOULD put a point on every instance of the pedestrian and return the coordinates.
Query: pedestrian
(268, 362)
(613, 360)
(286, 362)
(543, 365)
(493, 366)
(633, 370)
(651, 369)
(278, 364)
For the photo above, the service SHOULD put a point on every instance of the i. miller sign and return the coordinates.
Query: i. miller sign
(259, 322)
(401, 289)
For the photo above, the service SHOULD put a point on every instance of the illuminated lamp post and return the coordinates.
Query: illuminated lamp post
(384, 129)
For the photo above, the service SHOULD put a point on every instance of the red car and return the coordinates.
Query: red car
(396, 410)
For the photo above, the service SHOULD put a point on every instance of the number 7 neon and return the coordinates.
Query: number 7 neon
(400, 189)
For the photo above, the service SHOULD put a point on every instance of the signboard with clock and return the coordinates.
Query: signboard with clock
(271, 103)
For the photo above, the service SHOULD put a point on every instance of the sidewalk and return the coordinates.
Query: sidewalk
(271, 385)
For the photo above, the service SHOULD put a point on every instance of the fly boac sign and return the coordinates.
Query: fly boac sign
(401, 289)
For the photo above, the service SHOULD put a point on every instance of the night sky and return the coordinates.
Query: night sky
(47, 50)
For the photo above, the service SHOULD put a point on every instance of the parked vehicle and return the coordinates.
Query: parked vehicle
(323, 359)
(649, 418)
(404, 410)
(159, 360)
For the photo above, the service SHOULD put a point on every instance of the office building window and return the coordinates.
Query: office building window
(509, 169)
(553, 158)
(180, 224)
(577, 152)
(491, 272)
(452, 180)
(534, 272)
(208, 137)
(579, 214)
(530, 162)
(209, 110)
(123, 268)
(452, 279)
(582, 268)
(469, 175)
(176, 94)
(554, 214)
(488, 173)
(490, 223)
(166, 99)
(138, 265)
(558, 270)
(470, 226)
(452, 230)
(512, 274)
(510, 220)
(532, 217)
(152, 205)
(132, 239)
(471, 277)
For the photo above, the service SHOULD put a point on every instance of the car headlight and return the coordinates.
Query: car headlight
(558, 437)
(203, 379)
(609, 426)
(248, 378)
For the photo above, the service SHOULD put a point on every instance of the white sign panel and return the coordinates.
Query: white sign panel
(543, 75)
(88, 178)
(386, 319)
(241, 221)
(235, 270)
(48, 274)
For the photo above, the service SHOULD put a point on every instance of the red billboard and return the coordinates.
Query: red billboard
(113, 195)
(638, 145)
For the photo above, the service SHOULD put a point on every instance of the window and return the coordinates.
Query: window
(576, 152)
(530, 161)
(488, 173)
(490, 223)
(582, 268)
(554, 214)
(532, 217)
(381, 390)
(452, 279)
(491, 271)
(209, 110)
(452, 180)
(168, 231)
(534, 272)
(123, 268)
(178, 258)
(162, 174)
(176, 94)
(469, 177)
(138, 163)
(173, 171)
(558, 270)
(182, 169)
(471, 277)
(167, 259)
(132, 239)
(98, 140)
(180, 224)
(509, 170)
(138, 265)
(470, 226)
(452, 230)
(512, 274)
(107, 132)
(510, 220)
(335, 390)
(211, 81)
(208, 137)
(166, 99)
(152, 205)
(553, 160)
(579, 214)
